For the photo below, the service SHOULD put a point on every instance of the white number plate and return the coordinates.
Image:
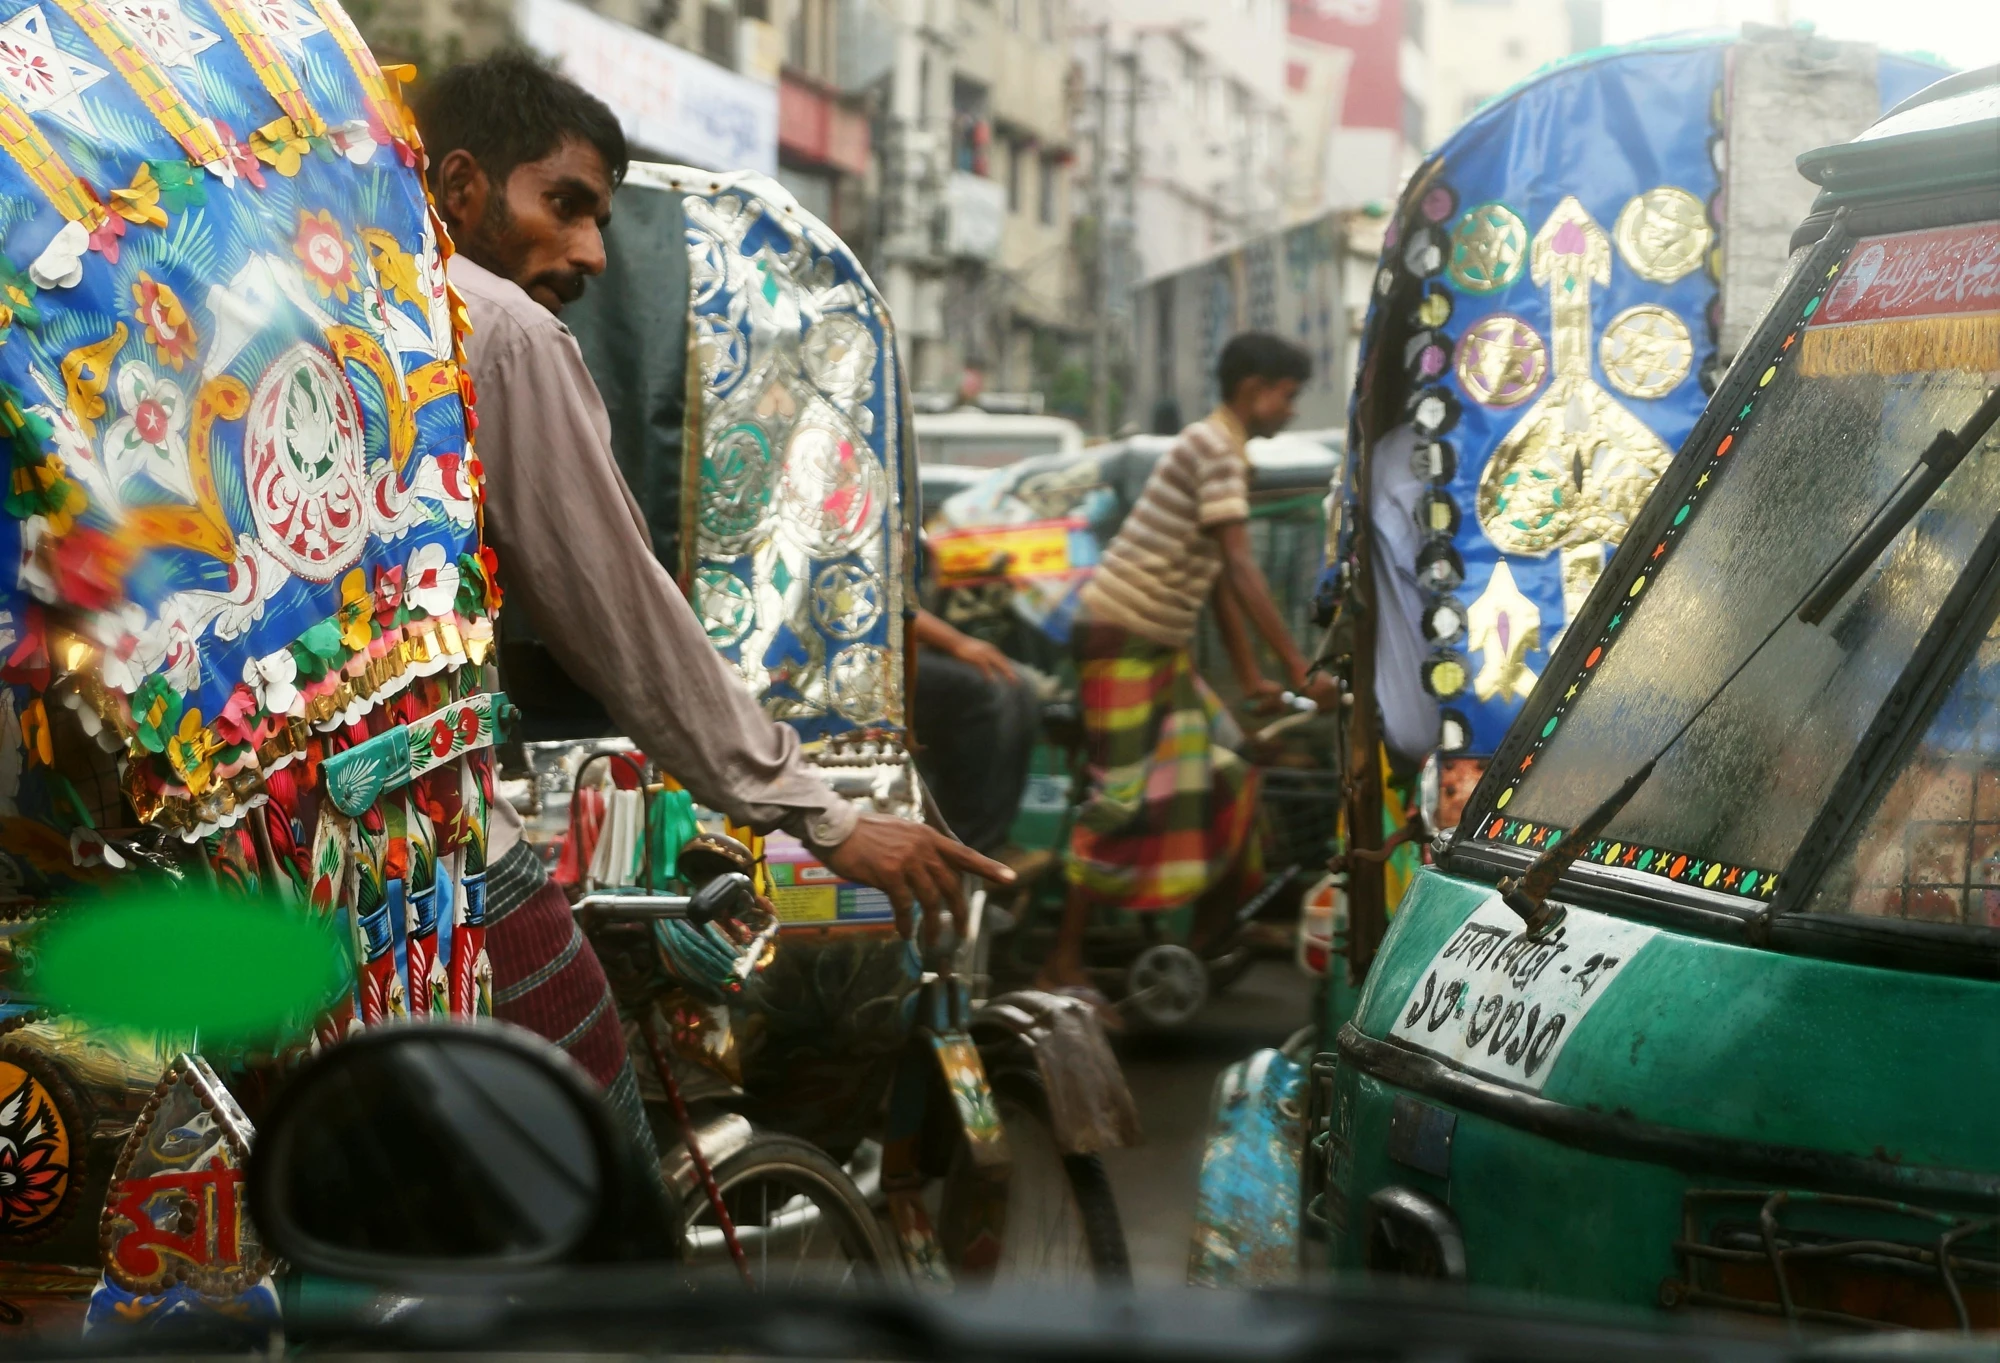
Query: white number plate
(1493, 1002)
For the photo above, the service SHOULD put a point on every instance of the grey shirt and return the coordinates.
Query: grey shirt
(576, 557)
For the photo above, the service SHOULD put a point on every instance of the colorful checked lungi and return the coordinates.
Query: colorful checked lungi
(547, 979)
(1172, 808)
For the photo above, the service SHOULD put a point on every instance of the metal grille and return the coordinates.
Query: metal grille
(1930, 851)
(1841, 1260)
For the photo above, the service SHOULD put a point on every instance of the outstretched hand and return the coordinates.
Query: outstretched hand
(912, 864)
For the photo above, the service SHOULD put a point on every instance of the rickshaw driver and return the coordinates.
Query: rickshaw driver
(522, 166)
(1170, 820)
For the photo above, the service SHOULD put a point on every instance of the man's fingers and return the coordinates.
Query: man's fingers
(948, 893)
(898, 891)
(931, 878)
(965, 859)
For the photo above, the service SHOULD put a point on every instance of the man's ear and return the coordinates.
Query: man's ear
(463, 189)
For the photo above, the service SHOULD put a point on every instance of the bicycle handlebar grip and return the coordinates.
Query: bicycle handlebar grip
(726, 896)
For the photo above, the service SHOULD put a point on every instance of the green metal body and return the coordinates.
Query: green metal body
(1724, 1043)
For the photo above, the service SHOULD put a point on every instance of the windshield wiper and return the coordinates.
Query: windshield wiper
(1528, 896)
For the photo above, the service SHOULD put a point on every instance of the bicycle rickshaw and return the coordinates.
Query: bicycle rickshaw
(245, 608)
(758, 412)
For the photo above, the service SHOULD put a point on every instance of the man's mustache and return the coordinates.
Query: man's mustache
(564, 284)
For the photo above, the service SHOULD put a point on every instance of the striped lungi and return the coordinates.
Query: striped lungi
(547, 979)
(1172, 807)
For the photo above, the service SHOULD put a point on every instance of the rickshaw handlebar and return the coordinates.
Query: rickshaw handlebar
(726, 896)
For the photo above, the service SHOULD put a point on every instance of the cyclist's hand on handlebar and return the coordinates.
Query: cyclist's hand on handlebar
(912, 864)
(1323, 691)
(1264, 696)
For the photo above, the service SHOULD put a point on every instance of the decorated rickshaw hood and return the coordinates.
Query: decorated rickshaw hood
(794, 473)
(1876, 355)
(1547, 322)
(243, 498)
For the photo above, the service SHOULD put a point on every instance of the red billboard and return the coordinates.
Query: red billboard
(1373, 31)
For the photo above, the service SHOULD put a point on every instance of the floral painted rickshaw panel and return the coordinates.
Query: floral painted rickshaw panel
(242, 500)
(798, 555)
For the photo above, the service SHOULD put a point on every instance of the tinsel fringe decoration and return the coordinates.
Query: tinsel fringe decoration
(1903, 347)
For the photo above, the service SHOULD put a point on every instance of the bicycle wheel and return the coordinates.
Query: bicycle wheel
(1062, 1225)
(798, 1216)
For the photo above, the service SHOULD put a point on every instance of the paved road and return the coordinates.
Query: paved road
(1172, 1076)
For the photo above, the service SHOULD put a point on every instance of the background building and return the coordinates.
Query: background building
(1182, 140)
(1354, 98)
(1475, 49)
(974, 190)
(748, 84)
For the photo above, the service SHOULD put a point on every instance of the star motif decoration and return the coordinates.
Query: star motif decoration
(288, 24)
(162, 26)
(42, 78)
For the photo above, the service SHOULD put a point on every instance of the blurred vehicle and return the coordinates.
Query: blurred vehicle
(981, 439)
(939, 483)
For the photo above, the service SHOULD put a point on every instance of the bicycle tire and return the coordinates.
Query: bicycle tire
(1024, 1113)
(786, 1162)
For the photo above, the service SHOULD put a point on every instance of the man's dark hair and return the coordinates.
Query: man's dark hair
(510, 109)
(1260, 355)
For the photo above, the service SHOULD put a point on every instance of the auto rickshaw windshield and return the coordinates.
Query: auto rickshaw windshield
(1745, 784)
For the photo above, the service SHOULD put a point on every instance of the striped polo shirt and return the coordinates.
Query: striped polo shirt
(1162, 565)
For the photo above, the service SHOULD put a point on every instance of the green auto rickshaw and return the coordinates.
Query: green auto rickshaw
(1699, 1005)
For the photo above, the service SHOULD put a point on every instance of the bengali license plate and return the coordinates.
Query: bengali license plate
(1493, 1002)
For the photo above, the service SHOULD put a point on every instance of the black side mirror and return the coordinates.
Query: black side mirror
(438, 1148)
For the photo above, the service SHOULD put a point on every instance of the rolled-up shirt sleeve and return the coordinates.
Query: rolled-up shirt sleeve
(575, 558)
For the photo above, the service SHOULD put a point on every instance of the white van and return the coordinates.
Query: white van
(992, 440)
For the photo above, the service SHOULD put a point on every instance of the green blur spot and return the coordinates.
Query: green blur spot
(227, 969)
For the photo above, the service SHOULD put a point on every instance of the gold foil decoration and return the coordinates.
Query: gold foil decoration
(1664, 234)
(1646, 351)
(1501, 361)
(1577, 466)
(1504, 626)
(1488, 245)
